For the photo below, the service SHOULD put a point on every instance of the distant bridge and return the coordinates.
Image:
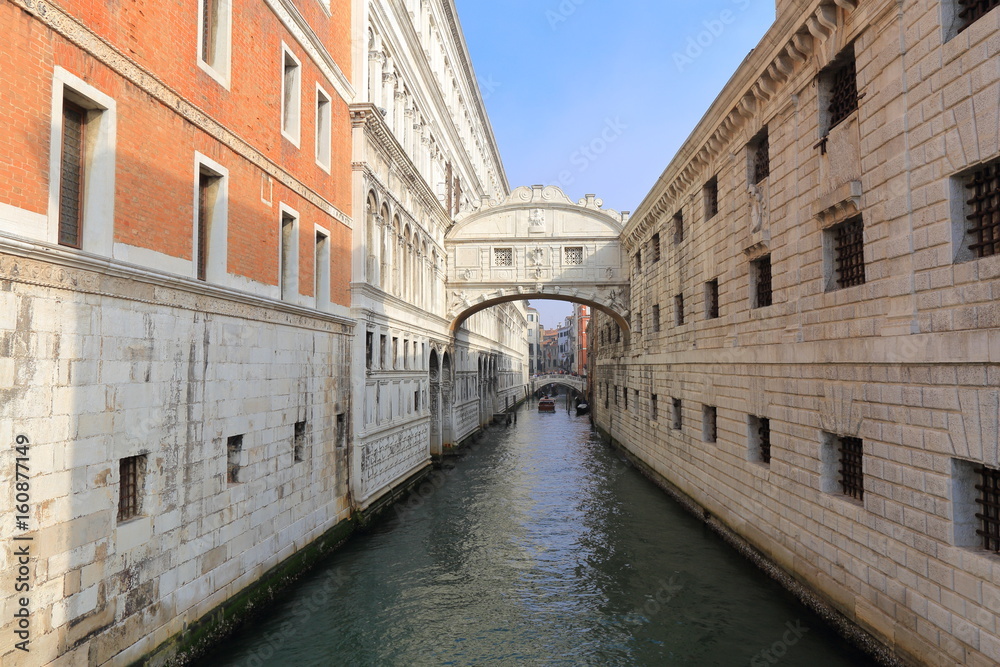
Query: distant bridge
(571, 381)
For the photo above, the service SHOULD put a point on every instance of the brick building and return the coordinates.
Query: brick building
(175, 239)
(819, 360)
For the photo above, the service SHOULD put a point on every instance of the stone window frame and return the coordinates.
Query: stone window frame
(759, 451)
(98, 192)
(676, 414)
(218, 64)
(967, 518)
(299, 441)
(710, 196)
(324, 129)
(827, 80)
(322, 260)
(217, 246)
(291, 95)
(754, 146)
(288, 254)
(500, 251)
(709, 423)
(235, 454)
(570, 257)
(131, 481)
(832, 255)
(952, 23)
(960, 209)
(830, 466)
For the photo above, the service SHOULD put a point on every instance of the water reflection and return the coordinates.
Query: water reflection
(539, 547)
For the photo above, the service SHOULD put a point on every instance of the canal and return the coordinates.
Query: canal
(539, 546)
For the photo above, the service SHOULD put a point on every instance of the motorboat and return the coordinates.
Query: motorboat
(546, 405)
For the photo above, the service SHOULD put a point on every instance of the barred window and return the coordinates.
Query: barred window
(710, 423)
(852, 480)
(983, 210)
(234, 446)
(849, 253)
(130, 471)
(573, 256)
(654, 248)
(503, 257)
(761, 275)
(638, 261)
(678, 227)
(654, 407)
(677, 415)
(842, 84)
(759, 154)
(989, 504)
(711, 192)
(656, 319)
(679, 309)
(625, 394)
(973, 10)
(638, 321)
(712, 299)
(72, 174)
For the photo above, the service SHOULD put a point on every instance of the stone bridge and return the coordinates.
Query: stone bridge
(537, 244)
(572, 381)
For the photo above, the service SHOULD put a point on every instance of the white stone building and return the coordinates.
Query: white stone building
(815, 352)
(424, 150)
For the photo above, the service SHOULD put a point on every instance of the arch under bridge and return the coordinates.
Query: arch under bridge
(537, 244)
(574, 382)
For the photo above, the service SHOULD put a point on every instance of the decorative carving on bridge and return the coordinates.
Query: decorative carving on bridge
(536, 221)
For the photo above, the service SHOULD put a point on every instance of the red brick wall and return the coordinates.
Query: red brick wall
(154, 205)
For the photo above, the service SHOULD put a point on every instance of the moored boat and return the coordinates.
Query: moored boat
(546, 405)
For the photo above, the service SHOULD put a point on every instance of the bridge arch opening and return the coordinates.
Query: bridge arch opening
(472, 309)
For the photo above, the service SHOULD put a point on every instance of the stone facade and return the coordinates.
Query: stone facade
(831, 406)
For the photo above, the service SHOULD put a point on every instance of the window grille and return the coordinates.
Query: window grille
(761, 156)
(712, 198)
(573, 256)
(764, 437)
(677, 414)
(984, 210)
(654, 248)
(128, 489)
(712, 299)
(851, 470)
(679, 309)
(503, 257)
(71, 175)
(850, 250)
(234, 445)
(762, 270)
(973, 10)
(843, 92)
(678, 227)
(711, 424)
(989, 501)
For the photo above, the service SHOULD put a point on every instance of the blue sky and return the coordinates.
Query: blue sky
(597, 96)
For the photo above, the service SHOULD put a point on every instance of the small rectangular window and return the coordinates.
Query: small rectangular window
(676, 421)
(299, 441)
(678, 227)
(341, 431)
(654, 249)
(625, 395)
(573, 256)
(607, 396)
(234, 449)
(709, 426)
(291, 95)
(654, 407)
(848, 241)
(971, 11)
(637, 321)
(759, 439)
(839, 87)
(988, 501)
(503, 257)
(616, 396)
(760, 274)
(383, 352)
(289, 285)
(214, 32)
(369, 349)
(711, 197)
(852, 477)
(982, 210)
(656, 318)
(638, 261)
(759, 156)
(208, 190)
(395, 352)
(712, 299)
(322, 270)
(323, 124)
(130, 474)
(72, 174)
(679, 309)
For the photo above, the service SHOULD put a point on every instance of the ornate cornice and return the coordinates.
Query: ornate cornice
(763, 75)
(108, 55)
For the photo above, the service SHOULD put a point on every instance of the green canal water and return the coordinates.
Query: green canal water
(539, 546)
